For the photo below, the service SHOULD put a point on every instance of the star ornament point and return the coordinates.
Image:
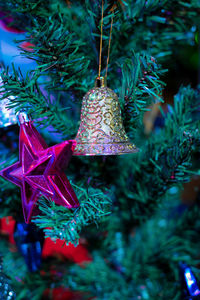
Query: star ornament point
(39, 171)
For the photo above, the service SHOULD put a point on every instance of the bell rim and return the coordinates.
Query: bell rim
(105, 154)
(91, 150)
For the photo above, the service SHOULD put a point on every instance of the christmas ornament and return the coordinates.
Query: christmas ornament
(7, 116)
(101, 131)
(6, 291)
(61, 293)
(39, 170)
(191, 289)
(29, 240)
(78, 254)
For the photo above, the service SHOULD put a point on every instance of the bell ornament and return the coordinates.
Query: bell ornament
(101, 131)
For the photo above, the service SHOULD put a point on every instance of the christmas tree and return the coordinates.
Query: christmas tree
(134, 218)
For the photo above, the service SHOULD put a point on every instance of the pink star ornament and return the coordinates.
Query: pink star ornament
(39, 170)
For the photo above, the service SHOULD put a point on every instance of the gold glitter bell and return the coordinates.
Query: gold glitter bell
(101, 131)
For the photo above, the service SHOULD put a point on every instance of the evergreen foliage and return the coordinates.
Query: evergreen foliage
(129, 205)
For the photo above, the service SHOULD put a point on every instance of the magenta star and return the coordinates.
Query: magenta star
(39, 171)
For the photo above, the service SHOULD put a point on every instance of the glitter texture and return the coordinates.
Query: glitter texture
(101, 131)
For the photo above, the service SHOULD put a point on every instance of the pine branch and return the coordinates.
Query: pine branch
(130, 264)
(141, 86)
(29, 97)
(67, 224)
(66, 64)
(165, 160)
(151, 254)
(185, 113)
(161, 12)
(26, 7)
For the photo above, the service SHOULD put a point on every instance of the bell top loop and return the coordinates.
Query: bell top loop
(22, 117)
(100, 82)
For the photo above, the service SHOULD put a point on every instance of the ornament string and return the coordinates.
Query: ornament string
(101, 40)
(109, 44)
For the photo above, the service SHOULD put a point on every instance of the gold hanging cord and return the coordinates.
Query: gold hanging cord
(111, 25)
(101, 41)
